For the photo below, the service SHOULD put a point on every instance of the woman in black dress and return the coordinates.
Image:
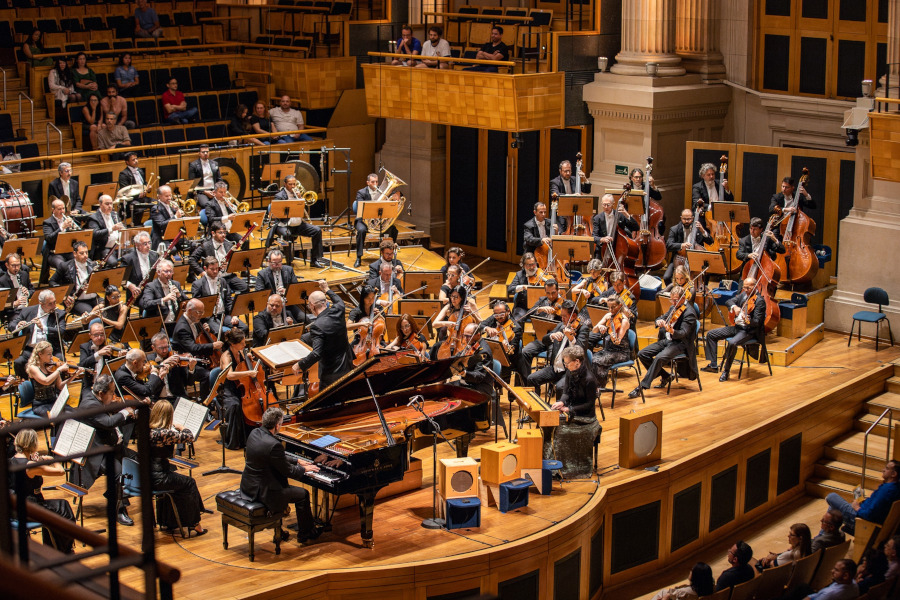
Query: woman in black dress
(114, 313)
(26, 452)
(164, 435)
(47, 378)
(573, 440)
(231, 392)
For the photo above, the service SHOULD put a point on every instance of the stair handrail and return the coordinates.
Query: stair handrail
(47, 135)
(890, 416)
(27, 97)
(2, 70)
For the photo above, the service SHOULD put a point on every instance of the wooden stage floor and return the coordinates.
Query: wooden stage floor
(692, 421)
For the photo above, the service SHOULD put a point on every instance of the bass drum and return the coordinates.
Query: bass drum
(16, 212)
(232, 173)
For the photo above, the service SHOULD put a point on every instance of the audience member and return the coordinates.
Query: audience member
(435, 45)
(495, 49)
(146, 23)
(113, 136)
(61, 83)
(830, 534)
(800, 545)
(175, 106)
(33, 46)
(240, 125)
(92, 117)
(891, 548)
(874, 508)
(700, 583)
(842, 586)
(259, 123)
(407, 44)
(126, 77)
(113, 103)
(871, 571)
(739, 556)
(84, 77)
(285, 118)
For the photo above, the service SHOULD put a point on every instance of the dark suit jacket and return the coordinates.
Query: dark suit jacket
(519, 299)
(362, 195)
(51, 231)
(151, 300)
(106, 435)
(699, 192)
(598, 227)
(202, 251)
(54, 320)
(265, 280)
(214, 212)
(65, 275)
(677, 236)
(557, 186)
(195, 170)
(266, 471)
(24, 280)
(126, 178)
(376, 283)
(201, 288)
(375, 267)
(582, 334)
(101, 233)
(178, 378)
(131, 260)
(183, 340)
(262, 323)
(55, 189)
(757, 317)
(159, 217)
(129, 384)
(87, 360)
(685, 333)
(533, 237)
(779, 201)
(745, 248)
(328, 337)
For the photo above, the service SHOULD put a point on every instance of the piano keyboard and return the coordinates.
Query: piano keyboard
(328, 475)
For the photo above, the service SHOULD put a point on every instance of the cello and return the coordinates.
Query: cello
(255, 400)
(543, 254)
(764, 269)
(652, 245)
(370, 342)
(799, 263)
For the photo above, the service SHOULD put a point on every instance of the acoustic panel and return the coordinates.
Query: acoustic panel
(789, 463)
(723, 496)
(852, 10)
(776, 60)
(635, 537)
(497, 150)
(103, 176)
(812, 67)
(778, 8)
(815, 9)
(461, 595)
(523, 587)
(845, 198)
(851, 68)
(595, 577)
(527, 178)
(567, 577)
(756, 482)
(35, 189)
(686, 516)
(463, 217)
(760, 180)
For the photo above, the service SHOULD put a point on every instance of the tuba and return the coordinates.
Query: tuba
(383, 193)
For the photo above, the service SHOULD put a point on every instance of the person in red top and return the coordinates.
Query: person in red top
(175, 108)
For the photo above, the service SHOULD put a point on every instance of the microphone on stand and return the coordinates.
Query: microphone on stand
(415, 400)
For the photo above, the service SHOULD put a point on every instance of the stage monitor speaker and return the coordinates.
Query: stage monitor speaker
(640, 438)
(531, 442)
(500, 462)
(457, 477)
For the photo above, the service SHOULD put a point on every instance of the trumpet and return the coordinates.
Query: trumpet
(309, 197)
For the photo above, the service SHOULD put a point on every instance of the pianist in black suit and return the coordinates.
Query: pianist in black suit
(266, 472)
(327, 336)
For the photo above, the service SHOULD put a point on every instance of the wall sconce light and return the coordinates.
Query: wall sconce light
(602, 63)
(867, 88)
(652, 69)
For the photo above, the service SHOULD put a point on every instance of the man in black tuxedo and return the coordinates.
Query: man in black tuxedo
(292, 228)
(273, 316)
(220, 211)
(748, 310)
(564, 184)
(76, 273)
(677, 338)
(385, 281)
(570, 330)
(93, 355)
(211, 283)
(706, 190)
(175, 382)
(527, 275)
(538, 230)
(127, 376)
(163, 296)
(141, 260)
(266, 472)
(677, 240)
(53, 225)
(386, 248)
(788, 187)
(277, 278)
(368, 194)
(752, 240)
(65, 185)
(15, 278)
(327, 336)
(133, 175)
(604, 224)
(106, 225)
(161, 213)
(218, 246)
(206, 169)
(184, 337)
(49, 328)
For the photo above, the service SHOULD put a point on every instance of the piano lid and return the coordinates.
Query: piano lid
(386, 373)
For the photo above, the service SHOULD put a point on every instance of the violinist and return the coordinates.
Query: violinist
(234, 361)
(612, 334)
(273, 316)
(590, 287)
(530, 275)
(409, 337)
(163, 296)
(564, 184)
(180, 374)
(706, 190)
(277, 278)
(457, 310)
(75, 273)
(48, 375)
(537, 231)
(93, 355)
(186, 333)
(678, 239)
(571, 331)
(327, 336)
(752, 240)
(43, 322)
(139, 377)
(681, 278)
(213, 284)
(499, 326)
(748, 310)
(618, 290)
(455, 255)
(576, 394)
(386, 285)
(605, 224)
(548, 305)
(474, 374)
(788, 189)
(453, 280)
(386, 248)
(677, 331)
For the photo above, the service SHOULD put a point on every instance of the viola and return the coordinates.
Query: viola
(594, 286)
(675, 313)
(539, 278)
(652, 246)
(414, 343)
(799, 263)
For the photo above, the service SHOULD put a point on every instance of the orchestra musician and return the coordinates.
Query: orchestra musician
(132, 377)
(106, 225)
(360, 315)
(277, 278)
(617, 289)
(564, 184)
(748, 310)
(499, 326)
(53, 225)
(163, 296)
(747, 243)
(677, 240)
(448, 317)
(529, 275)
(161, 213)
(409, 337)
(65, 186)
(386, 284)
(386, 248)
(234, 361)
(220, 211)
(141, 260)
(788, 188)
(682, 278)
(273, 316)
(16, 279)
(636, 177)
(44, 323)
(453, 280)
(537, 231)
(474, 374)
(592, 285)
(113, 312)
(706, 190)
(576, 395)
(570, 331)
(207, 171)
(184, 337)
(677, 330)
(179, 376)
(367, 194)
(294, 227)
(47, 377)
(213, 284)
(548, 305)
(134, 175)
(327, 336)
(612, 333)
(218, 246)
(454, 256)
(76, 273)
(93, 355)
(604, 224)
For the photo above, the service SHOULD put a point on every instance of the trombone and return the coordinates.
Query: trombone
(309, 197)
(238, 207)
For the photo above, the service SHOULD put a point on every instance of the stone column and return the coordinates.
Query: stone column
(648, 36)
(697, 38)
(893, 52)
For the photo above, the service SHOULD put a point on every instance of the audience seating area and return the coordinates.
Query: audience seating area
(466, 34)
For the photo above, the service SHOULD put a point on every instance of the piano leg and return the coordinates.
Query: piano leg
(366, 513)
(462, 445)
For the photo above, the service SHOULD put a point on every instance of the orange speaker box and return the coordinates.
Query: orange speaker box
(531, 442)
(457, 478)
(500, 462)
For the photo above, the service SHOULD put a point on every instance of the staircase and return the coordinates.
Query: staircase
(39, 134)
(839, 468)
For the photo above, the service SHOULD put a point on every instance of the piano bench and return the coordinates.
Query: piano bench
(463, 513)
(247, 516)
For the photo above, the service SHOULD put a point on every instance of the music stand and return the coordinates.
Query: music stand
(84, 336)
(66, 239)
(286, 209)
(250, 302)
(574, 248)
(209, 304)
(190, 224)
(285, 333)
(25, 248)
(419, 308)
(104, 278)
(596, 312)
(182, 187)
(736, 212)
(430, 280)
(533, 293)
(92, 193)
(577, 205)
(497, 352)
(59, 291)
(6, 297)
(245, 260)
(378, 209)
(212, 394)
(542, 327)
(136, 330)
(180, 274)
(714, 263)
(127, 234)
(297, 294)
(242, 222)
(275, 173)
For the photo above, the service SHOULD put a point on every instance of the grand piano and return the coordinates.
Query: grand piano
(361, 429)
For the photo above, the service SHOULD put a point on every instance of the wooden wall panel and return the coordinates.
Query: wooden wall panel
(884, 141)
(316, 82)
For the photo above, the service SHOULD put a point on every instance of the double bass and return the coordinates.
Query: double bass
(578, 224)
(625, 251)
(799, 263)
(652, 245)
(767, 274)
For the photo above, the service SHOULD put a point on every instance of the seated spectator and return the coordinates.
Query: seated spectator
(113, 136)
(830, 534)
(739, 556)
(700, 583)
(435, 46)
(92, 115)
(175, 106)
(872, 569)
(842, 586)
(874, 508)
(126, 77)
(34, 46)
(407, 44)
(61, 83)
(113, 103)
(146, 23)
(891, 548)
(800, 545)
(84, 77)
(240, 125)
(259, 123)
(285, 118)
(495, 49)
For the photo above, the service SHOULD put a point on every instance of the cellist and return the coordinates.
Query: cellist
(750, 241)
(234, 388)
(606, 223)
(409, 337)
(788, 187)
(361, 316)
(453, 318)
(748, 311)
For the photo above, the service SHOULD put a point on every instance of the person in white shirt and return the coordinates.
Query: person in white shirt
(207, 170)
(106, 226)
(435, 46)
(65, 186)
(285, 118)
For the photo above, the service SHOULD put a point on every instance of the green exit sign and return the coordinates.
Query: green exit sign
(621, 170)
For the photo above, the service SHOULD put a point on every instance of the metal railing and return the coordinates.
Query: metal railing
(27, 97)
(2, 70)
(887, 453)
(58, 131)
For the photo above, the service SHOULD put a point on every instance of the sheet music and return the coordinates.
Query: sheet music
(74, 438)
(191, 415)
(60, 403)
(284, 354)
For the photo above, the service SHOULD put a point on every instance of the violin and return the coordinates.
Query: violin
(414, 343)
(592, 285)
(675, 313)
(505, 335)
(539, 278)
